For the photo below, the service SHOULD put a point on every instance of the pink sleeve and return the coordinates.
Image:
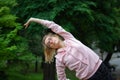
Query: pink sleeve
(57, 29)
(60, 68)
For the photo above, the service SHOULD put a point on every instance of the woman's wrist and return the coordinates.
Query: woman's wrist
(31, 20)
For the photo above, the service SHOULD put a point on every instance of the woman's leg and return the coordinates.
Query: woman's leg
(102, 73)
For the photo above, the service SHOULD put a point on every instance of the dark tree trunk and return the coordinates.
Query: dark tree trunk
(106, 61)
(36, 65)
(3, 75)
(108, 57)
(118, 47)
(49, 70)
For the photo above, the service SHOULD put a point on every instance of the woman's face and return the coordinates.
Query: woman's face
(52, 41)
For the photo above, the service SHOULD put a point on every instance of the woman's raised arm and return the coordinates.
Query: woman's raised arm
(52, 25)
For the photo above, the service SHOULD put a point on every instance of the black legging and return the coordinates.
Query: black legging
(102, 73)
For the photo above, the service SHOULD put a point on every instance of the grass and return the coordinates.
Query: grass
(71, 75)
(19, 72)
(36, 76)
(29, 76)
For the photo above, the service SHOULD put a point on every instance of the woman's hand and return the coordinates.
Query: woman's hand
(27, 23)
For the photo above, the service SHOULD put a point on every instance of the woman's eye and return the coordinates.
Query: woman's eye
(50, 39)
(49, 44)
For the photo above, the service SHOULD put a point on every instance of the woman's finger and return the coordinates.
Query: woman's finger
(26, 25)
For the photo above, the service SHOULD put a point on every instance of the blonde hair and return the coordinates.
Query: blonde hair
(48, 52)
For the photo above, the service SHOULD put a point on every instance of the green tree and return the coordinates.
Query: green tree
(107, 27)
(13, 47)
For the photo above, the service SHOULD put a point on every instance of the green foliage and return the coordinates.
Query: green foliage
(13, 46)
(82, 17)
(8, 3)
(89, 20)
(107, 26)
(8, 20)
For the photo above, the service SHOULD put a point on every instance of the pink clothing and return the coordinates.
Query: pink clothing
(76, 56)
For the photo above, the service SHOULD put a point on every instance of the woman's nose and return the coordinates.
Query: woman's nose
(51, 41)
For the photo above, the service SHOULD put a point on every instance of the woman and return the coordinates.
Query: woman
(71, 53)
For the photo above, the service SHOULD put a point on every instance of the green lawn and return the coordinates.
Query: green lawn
(71, 75)
(29, 76)
(36, 76)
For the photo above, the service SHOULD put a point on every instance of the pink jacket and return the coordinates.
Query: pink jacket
(76, 56)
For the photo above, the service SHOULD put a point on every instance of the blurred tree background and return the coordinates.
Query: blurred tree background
(96, 23)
